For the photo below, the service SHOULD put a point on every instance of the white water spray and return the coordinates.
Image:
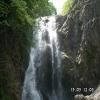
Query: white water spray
(46, 37)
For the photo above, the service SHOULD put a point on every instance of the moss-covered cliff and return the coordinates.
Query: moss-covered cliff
(79, 36)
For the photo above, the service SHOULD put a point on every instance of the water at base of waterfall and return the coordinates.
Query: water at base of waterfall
(42, 78)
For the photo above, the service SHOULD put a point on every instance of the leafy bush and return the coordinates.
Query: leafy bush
(68, 4)
(20, 15)
(24, 11)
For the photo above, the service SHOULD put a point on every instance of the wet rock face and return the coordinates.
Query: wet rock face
(44, 73)
(79, 37)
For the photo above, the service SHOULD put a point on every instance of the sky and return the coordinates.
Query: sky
(58, 5)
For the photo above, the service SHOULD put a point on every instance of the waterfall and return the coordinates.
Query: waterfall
(43, 76)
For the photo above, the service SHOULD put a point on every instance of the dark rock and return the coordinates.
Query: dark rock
(80, 39)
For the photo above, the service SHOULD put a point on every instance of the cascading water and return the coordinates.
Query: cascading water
(43, 76)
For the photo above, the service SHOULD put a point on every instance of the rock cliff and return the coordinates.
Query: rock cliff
(79, 36)
(13, 62)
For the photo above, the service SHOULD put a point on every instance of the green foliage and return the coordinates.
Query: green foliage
(19, 10)
(24, 11)
(68, 4)
(20, 15)
(17, 22)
